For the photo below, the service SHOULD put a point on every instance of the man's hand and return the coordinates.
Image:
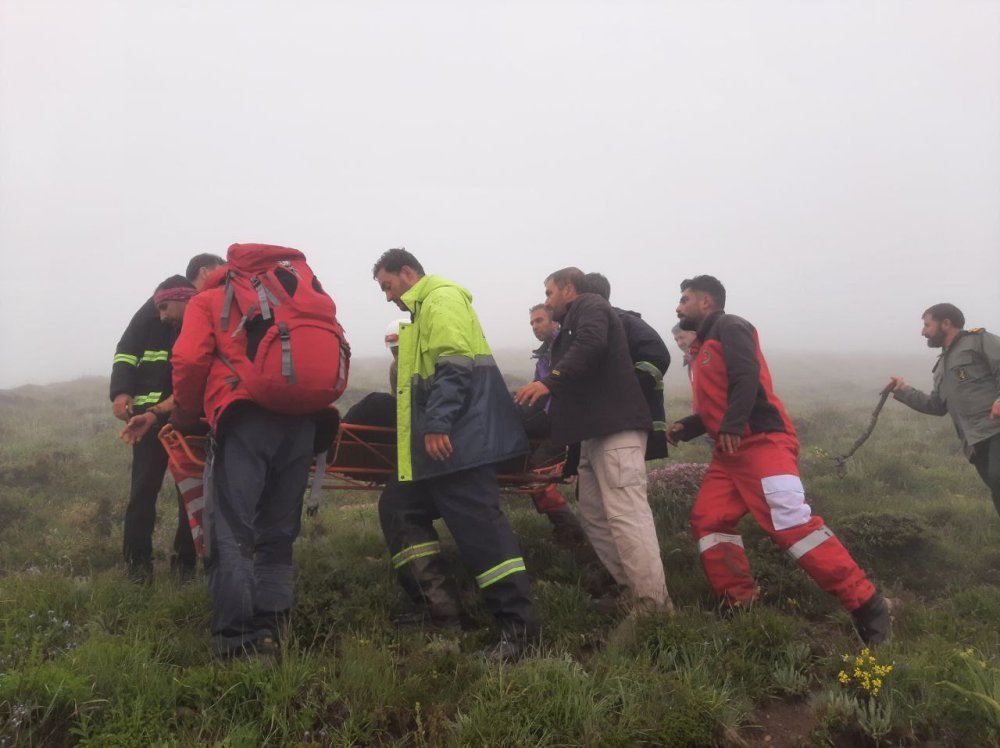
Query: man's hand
(121, 406)
(438, 446)
(995, 410)
(137, 427)
(531, 393)
(895, 384)
(675, 432)
(728, 443)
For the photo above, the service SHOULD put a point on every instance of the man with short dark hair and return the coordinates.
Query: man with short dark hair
(755, 467)
(200, 267)
(596, 401)
(140, 384)
(966, 386)
(455, 421)
(651, 359)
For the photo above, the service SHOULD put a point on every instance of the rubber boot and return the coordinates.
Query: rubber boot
(432, 591)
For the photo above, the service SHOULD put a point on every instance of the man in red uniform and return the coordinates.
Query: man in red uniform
(755, 466)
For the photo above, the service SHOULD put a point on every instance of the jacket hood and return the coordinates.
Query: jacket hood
(427, 285)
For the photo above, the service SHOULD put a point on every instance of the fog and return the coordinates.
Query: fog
(836, 165)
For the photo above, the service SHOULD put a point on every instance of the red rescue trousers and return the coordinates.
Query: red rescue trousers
(548, 499)
(762, 478)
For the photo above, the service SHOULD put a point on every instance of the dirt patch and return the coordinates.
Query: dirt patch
(781, 724)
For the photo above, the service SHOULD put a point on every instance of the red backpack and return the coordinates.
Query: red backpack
(297, 358)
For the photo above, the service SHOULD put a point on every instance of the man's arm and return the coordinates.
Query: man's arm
(125, 364)
(685, 429)
(739, 349)
(191, 358)
(648, 351)
(446, 330)
(921, 402)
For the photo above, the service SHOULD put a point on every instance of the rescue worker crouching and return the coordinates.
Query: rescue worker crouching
(455, 421)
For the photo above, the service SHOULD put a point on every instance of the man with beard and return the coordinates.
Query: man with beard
(596, 401)
(755, 467)
(455, 421)
(966, 385)
(140, 384)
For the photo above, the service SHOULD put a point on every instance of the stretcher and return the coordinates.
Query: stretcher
(361, 458)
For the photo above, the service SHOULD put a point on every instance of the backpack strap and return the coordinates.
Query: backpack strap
(227, 303)
(264, 296)
(287, 367)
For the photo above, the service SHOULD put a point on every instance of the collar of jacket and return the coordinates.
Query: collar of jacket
(945, 351)
(708, 323)
(428, 284)
(544, 349)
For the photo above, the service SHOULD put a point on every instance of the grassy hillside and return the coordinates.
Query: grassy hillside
(87, 658)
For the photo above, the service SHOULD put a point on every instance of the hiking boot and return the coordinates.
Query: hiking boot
(873, 620)
(265, 649)
(512, 647)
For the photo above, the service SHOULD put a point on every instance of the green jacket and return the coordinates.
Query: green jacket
(966, 384)
(449, 384)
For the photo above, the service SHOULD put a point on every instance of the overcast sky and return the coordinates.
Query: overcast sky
(836, 164)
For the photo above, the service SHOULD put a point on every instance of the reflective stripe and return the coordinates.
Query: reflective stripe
(498, 572)
(463, 362)
(195, 505)
(714, 538)
(659, 425)
(809, 542)
(415, 551)
(188, 483)
(125, 358)
(151, 398)
(653, 371)
(155, 355)
(485, 361)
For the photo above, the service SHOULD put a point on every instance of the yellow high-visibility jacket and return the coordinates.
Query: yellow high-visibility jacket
(448, 383)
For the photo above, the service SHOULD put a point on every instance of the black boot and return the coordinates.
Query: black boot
(514, 645)
(432, 591)
(873, 621)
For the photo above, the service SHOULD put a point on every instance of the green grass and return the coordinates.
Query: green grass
(87, 658)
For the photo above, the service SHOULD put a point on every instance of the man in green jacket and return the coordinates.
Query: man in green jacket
(455, 421)
(966, 386)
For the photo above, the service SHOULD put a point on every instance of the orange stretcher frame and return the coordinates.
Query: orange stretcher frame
(363, 458)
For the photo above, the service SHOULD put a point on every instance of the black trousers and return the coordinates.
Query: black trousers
(149, 463)
(469, 503)
(986, 458)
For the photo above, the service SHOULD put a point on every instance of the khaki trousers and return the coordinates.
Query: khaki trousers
(616, 516)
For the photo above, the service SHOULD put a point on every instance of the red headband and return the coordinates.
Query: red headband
(173, 294)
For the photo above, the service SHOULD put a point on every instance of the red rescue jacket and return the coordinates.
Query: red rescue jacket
(202, 382)
(730, 382)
